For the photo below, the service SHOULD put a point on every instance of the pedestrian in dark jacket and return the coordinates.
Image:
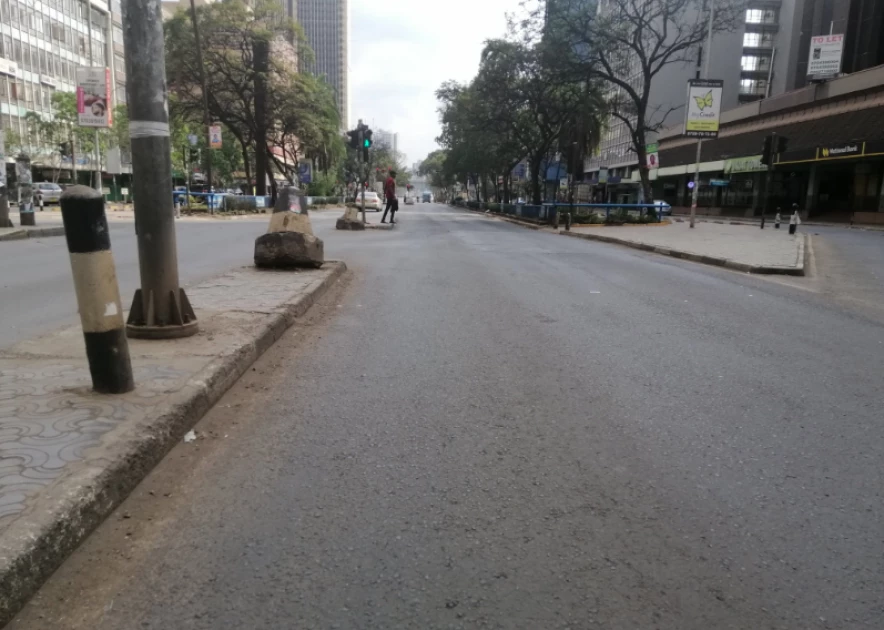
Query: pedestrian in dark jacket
(392, 200)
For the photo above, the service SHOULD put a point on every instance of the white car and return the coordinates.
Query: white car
(49, 192)
(409, 201)
(373, 201)
(663, 208)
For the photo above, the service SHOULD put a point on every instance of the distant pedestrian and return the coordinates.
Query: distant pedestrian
(794, 222)
(392, 199)
(778, 220)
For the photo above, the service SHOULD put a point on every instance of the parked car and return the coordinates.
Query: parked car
(372, 201)
(409, 201)
(663, 208)
(427, 197)
(48, 192)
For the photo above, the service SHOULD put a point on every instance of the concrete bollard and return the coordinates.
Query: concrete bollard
(98, 295)
(567, 221)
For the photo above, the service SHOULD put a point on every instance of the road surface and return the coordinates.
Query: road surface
(37, 273)
(492, 427)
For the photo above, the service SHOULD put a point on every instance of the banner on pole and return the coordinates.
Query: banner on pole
(215, 140)
(94, 97)
(703, 112)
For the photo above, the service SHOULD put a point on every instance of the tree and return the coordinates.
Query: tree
(518, 107)
(626, 45)
(274, 114)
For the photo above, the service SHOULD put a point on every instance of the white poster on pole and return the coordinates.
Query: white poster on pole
(824, 59)
(94, 97)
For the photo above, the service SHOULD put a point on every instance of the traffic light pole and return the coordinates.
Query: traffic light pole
(769, 179)
(362, 166)
(160, 308)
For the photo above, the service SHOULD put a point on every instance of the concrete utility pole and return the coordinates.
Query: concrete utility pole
(160, 309)
(5, 221)
(25, 189)
(695, 193)
(207, 119)
(97, 155)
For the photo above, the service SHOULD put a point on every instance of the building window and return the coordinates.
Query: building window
(761, 16)
(753, 87)
(751, 40)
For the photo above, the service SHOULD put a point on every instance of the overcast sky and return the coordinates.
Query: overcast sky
(402, 50)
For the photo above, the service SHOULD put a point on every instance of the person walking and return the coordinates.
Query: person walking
(392, 200)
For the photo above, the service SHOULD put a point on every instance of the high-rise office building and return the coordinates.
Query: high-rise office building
(41, 46)
(860, 21)
(326, 25)
(387, 139)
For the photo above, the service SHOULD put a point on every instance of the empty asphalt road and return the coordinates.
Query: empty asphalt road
(493, 427)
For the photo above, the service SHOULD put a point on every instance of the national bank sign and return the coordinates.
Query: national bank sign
(842, 151)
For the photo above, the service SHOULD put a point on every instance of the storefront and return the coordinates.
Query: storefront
(837, 182)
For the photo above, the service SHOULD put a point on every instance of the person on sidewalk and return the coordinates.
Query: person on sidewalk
(392, 200)
(794, 220)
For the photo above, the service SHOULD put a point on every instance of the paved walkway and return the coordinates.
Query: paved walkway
(740, 245)
(63, 448)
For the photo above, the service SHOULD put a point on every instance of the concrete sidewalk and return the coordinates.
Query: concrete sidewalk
(740, 247)
(69, 456)
(19, 233)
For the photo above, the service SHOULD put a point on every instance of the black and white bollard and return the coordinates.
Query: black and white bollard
(98, 295)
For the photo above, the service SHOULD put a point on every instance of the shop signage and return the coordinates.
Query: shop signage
(603, 176)
(845, 150)
(94, 97)
(703, 112)
(719, 182)
(824, 59)
(749, 164)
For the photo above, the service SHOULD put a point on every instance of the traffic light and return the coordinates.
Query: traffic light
(782, 144)
(767, 150)
(64, 149)
(366, 142)
(354, 138)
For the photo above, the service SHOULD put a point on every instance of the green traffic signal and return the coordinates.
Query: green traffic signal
(367, 143)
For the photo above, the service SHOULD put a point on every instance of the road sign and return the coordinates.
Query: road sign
(192, 139)
(824, 59)
(703, 112)
(215, 140)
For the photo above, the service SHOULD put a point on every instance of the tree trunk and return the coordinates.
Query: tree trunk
(246, 164)
(643, 171)
(484, 188)
(260, 48)
(536, 192)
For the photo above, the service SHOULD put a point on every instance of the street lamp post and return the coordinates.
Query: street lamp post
(160, 309)
(695, 193)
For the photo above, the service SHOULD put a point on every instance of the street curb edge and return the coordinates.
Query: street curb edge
(714, 261)
(30, 552)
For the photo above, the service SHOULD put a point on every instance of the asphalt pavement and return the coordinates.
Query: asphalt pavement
(502, 428)
(36, 273)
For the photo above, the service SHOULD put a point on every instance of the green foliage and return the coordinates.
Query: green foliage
(299, 117)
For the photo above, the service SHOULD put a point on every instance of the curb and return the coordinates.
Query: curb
(32, 551)
(523, 222)
(798, 270)
(25, 233)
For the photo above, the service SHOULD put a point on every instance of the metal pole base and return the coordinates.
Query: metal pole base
(146, 325)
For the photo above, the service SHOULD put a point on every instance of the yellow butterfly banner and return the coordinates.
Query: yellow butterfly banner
(703, 111)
